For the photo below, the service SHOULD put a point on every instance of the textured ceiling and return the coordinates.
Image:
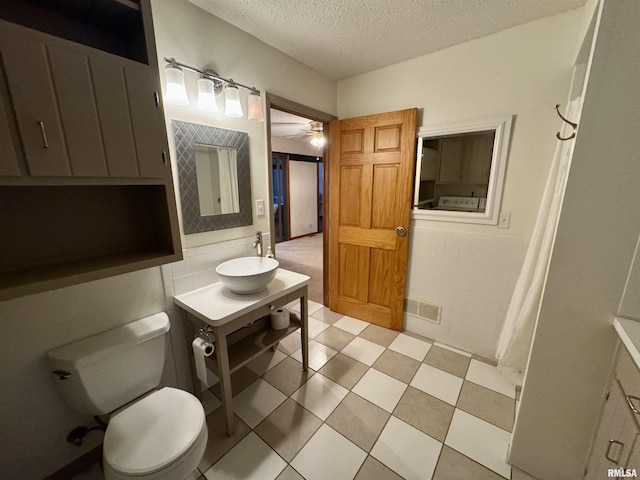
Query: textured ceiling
(342, 38)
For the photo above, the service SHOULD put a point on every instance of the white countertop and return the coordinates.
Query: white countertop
(216, 305)
(629, 332)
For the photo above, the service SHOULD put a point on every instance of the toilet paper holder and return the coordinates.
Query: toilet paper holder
(206, 332)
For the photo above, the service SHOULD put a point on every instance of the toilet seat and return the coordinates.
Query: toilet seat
(161, 432)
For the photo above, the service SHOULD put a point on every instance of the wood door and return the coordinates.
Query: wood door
(371, 180)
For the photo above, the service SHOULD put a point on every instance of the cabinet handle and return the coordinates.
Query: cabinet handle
(630, 399)
(606, 455)
(44, 135)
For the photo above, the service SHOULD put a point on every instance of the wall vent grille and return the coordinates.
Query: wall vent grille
(424, 310)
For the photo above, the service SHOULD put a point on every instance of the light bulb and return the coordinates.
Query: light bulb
(232, 106)
(206, 95)
(317, 140)
(254, 105)
(176, 91)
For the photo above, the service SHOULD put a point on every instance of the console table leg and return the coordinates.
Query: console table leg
(304, 334)
(222, 355)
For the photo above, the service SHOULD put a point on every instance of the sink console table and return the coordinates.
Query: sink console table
(241, 326)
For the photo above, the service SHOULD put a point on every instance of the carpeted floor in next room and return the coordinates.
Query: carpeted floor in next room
(304, 255)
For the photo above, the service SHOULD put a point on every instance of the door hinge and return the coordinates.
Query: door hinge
(156, 97)
(607, 396)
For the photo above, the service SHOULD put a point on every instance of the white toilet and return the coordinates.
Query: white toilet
(151, 434)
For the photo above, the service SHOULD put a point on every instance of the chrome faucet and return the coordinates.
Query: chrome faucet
(257, 244)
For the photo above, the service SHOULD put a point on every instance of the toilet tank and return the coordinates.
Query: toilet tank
(98, 374)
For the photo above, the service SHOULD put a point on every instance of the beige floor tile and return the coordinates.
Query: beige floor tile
(358, 420)
(288, 428)
(335, 338)
(380, 335)
(219, 442)
(250, 459)
(373, 469)
(424, 412)
(448, 361)
(488, 405)
(287, 376)
(454, 466)
(240, 380)
(327, 316)
(289, 474)
(344, 370)
(397, 365)
(290, 343)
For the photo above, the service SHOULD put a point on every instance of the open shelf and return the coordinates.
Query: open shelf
(113, 26)
(64, 235)
(248, 343)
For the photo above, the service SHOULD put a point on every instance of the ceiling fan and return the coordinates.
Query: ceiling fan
(311, 128)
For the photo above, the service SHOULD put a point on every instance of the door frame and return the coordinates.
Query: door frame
(289, 106)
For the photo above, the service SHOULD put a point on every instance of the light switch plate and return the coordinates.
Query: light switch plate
(504, 220)
(260, 208)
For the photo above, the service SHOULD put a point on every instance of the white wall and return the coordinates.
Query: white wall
(197, 38)
(303, 197)
(574, 341)
(34, 420)
(523, 71)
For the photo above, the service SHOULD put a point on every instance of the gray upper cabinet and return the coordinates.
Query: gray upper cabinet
(79, 111)
(85, 184)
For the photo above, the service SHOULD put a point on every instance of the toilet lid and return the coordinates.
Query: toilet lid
(153, 432)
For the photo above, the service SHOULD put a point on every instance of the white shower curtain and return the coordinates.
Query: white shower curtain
(229, 198)
(517, 333)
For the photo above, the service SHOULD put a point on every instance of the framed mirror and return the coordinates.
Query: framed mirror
(213, 177)
(460, 171)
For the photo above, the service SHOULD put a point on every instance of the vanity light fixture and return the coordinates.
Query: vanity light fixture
(254, 106)
(206, 95)
(210, 84)
(176, 90)
(232, 106)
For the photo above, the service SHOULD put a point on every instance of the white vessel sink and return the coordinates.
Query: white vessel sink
(246, 275)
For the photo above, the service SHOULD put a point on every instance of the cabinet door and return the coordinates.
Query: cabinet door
(451, 156)
(615, 437)
(115, 118)
(72, 79)
(33, 95)
(634, 456)
(8, 154)
(148, 124)
(429, 168)
(477, 160)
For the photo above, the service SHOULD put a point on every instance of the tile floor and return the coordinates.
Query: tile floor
(375, 404)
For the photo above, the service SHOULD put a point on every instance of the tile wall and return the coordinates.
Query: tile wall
(197, 269)
(471, 276)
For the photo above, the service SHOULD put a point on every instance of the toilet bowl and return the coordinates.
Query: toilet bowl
(163, 436)
(151, 434)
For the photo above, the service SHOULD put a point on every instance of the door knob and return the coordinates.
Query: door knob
(401, 231)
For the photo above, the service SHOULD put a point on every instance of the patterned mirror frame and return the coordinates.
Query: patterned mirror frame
(186, 135)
